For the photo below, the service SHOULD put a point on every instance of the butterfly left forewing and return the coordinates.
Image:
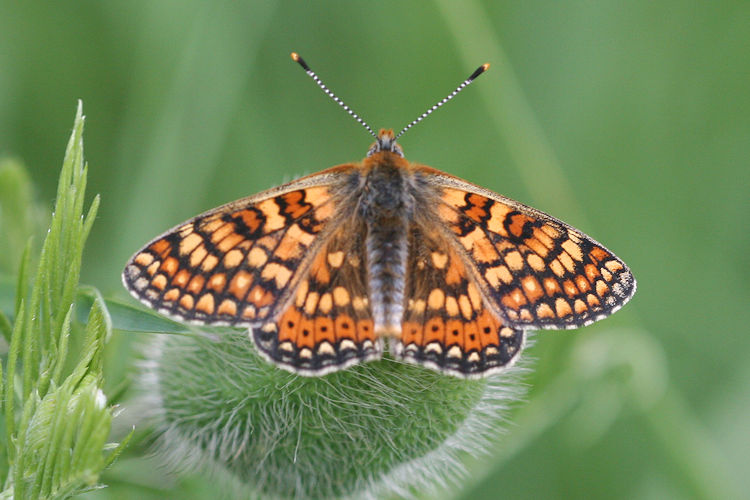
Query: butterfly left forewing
(239, 263)
(537, 271)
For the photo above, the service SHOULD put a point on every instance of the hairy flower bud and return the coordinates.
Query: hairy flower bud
(376, 428)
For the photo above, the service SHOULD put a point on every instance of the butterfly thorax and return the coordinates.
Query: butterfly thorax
(386, 205)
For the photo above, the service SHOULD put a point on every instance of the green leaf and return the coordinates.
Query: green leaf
(57, 446)
(124, 316)
(128, 317)
(5, 327)
(9, 394)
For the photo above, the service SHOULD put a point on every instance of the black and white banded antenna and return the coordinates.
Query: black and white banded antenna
(481, 69)
(296, 58)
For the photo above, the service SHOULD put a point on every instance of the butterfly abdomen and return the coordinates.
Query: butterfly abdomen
(387, 207)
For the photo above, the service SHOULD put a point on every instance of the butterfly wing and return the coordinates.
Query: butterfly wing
(328, 324)
(234, 265)
(274, 262)
(538, 271)
(446, 325)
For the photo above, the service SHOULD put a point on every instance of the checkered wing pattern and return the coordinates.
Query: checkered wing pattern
(289, 263)
(239, 263)
(328, 324)
(447, 325)
(537, 271)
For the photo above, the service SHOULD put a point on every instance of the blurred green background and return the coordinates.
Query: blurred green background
(629, 120)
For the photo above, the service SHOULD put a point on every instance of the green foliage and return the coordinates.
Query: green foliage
(57, 421)
(629, 120)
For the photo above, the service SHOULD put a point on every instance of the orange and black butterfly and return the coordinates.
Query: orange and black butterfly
(324, 269)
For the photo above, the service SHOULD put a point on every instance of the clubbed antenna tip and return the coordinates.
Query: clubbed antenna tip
(296, 58)
(481, 69)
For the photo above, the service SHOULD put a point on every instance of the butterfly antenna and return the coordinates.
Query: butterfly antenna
(481, 69)
(296, 58)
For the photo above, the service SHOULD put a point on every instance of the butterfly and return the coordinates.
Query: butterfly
(327, 268)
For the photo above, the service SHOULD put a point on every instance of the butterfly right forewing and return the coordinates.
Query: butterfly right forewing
(537, 271)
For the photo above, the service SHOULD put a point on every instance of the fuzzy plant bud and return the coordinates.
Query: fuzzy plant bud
(375, 429)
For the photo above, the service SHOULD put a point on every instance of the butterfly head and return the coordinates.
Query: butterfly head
(386, 141)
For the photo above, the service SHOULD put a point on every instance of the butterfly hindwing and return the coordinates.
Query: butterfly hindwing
(446, 325)
(328, 324)
(538, 271)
